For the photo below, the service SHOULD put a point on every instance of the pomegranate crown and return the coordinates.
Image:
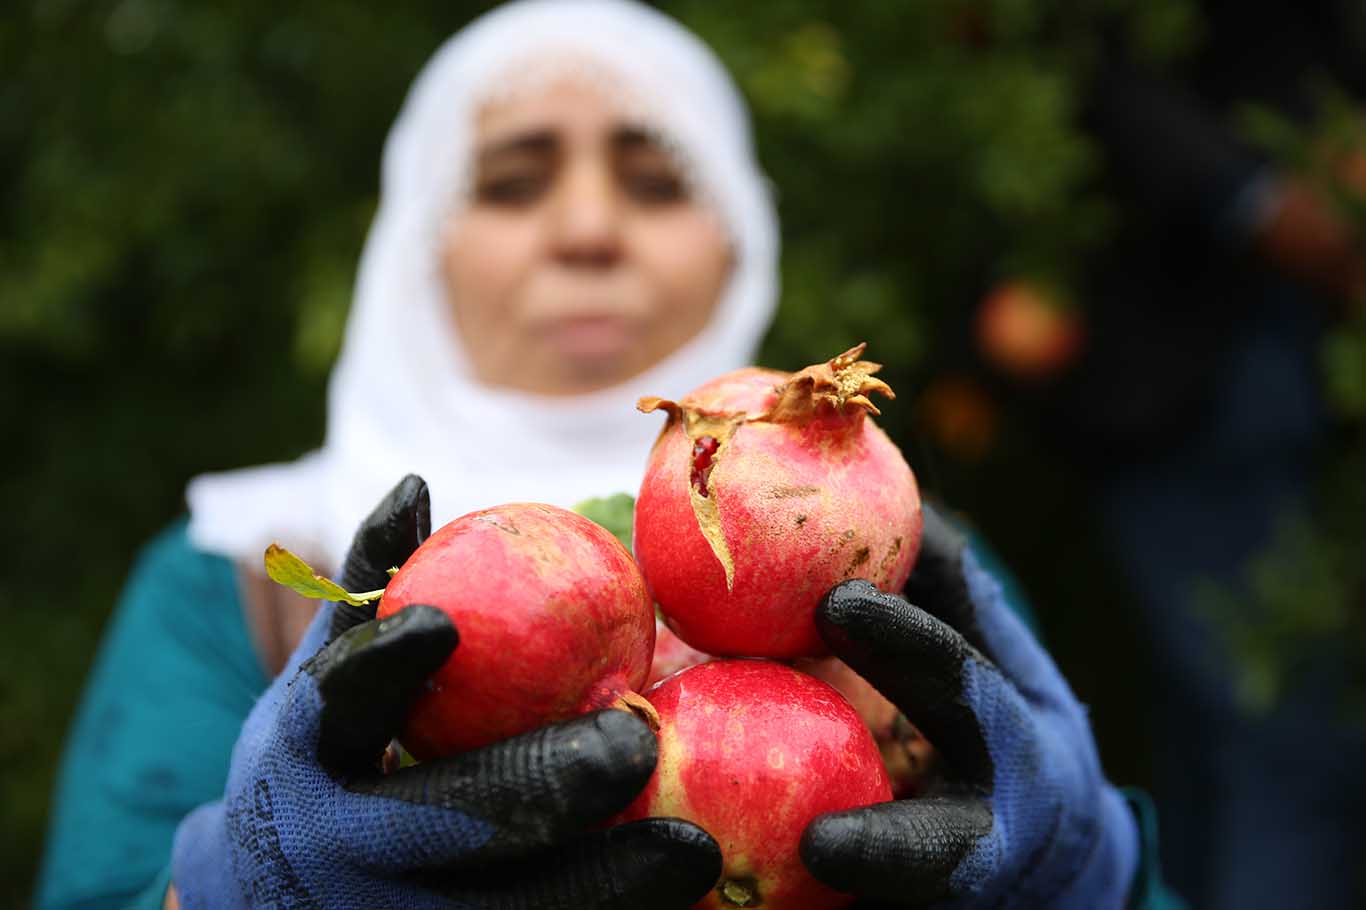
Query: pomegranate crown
(839, 384)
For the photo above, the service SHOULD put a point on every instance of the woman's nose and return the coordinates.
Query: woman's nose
(587, 219)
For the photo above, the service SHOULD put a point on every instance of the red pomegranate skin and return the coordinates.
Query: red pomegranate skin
(752, 751)
(801, 505)
(909, 757)
(553, 616)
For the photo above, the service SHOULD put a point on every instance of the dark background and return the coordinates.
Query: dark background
(185, 188)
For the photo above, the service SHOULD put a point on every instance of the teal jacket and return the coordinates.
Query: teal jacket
(171, 685)
(174, 679)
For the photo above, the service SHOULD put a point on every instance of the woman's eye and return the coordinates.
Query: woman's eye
(655, 188)
(512, 189)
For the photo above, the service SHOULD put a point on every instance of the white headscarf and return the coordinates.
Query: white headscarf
(401, 398)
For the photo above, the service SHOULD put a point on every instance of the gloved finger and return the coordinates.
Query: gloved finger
(369, 679)
(905, 852)
(660, 863)
(936, 584)
(528, 793)
(950, 584)
(917, 662)
(385, 540)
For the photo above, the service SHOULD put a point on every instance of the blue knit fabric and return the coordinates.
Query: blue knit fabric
(1062, 838)
(173, 679)
(287, 834)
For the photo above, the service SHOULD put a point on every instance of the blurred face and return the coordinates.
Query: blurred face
(582, 258)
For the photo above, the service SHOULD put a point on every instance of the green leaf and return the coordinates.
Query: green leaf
(616, 513)
(286, 569)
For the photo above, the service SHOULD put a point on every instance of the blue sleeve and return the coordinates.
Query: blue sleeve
(175, 677)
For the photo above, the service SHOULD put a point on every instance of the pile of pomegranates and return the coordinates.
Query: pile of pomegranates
(763, 491)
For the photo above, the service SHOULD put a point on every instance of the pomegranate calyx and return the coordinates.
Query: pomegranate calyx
(840, 385)
(738, 892)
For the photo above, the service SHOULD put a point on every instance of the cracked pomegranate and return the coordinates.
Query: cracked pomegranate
(764, 490)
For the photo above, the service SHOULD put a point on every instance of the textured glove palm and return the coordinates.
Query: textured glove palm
(309, 820)
(1025, 817)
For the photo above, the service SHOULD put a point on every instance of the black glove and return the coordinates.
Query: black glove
(309, 818)
(388, 536)
(1025, 817)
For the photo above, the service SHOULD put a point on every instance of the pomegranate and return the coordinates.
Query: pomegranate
(752, 750)
(763, 491)
(907, 755)
(554, 621)
(1027, 330)
(958, 413)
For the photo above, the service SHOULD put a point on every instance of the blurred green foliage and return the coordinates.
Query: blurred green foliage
(1300, 604)
(184, 190)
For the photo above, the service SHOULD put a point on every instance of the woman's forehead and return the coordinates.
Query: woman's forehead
(568, 103)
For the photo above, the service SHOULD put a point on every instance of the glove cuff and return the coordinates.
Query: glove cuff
(201, 862)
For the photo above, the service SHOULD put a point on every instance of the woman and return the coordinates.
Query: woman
(571, 217)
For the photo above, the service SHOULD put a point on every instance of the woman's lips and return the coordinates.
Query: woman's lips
(589, 337)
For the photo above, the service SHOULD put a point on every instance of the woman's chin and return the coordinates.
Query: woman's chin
(556, 375)
(585, 375)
